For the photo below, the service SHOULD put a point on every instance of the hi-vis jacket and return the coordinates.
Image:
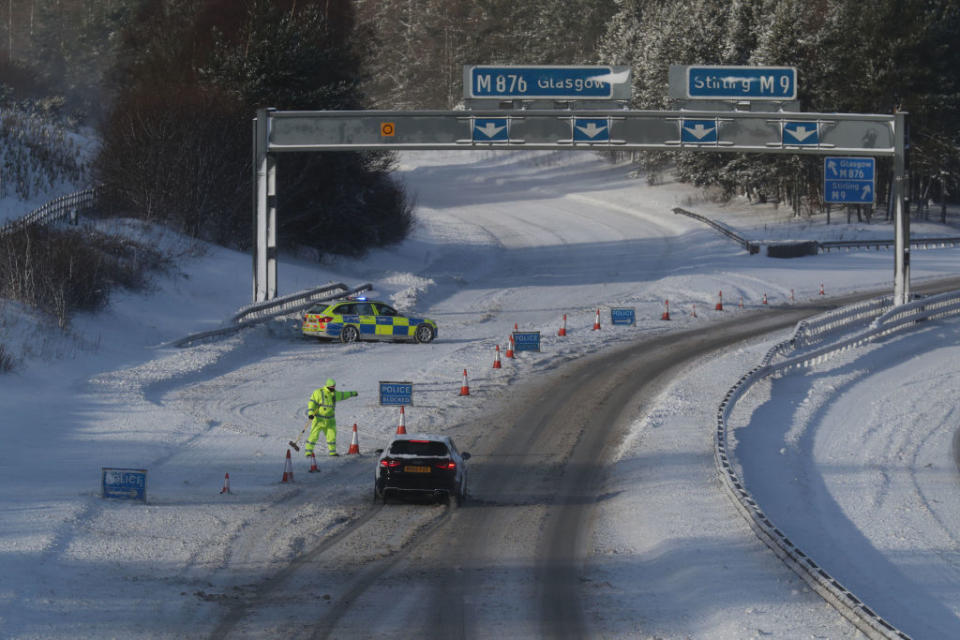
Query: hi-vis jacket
(322, 404)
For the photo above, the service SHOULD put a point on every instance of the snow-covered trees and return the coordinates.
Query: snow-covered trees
(871, 56)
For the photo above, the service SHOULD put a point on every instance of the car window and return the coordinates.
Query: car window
(349, 309)
(364, 309)
(385, 310)
(419, 448)
(317, 309)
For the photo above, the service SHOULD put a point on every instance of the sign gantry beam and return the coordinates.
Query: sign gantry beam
(770, 131)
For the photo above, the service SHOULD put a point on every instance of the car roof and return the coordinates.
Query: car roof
(431, 437)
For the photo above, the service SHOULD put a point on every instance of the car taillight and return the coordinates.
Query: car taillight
(389, 464)
(324, 319)
(450, 466)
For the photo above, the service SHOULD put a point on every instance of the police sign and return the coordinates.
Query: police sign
(526, 341)
(623, 315)
(128, 484)
(396, 393)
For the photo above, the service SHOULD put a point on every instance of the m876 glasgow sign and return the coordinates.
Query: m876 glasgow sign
(547, 82)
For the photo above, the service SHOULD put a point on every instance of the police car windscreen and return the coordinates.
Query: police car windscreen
(426, 448)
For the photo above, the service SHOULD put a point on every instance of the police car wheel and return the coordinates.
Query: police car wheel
(349, 334)
(423, 334)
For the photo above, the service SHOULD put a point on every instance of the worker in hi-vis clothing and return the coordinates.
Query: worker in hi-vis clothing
(322, 409)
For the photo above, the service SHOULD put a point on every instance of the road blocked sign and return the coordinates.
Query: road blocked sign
(623, 316)
(526, 341)
(396, 393)
(124, 484)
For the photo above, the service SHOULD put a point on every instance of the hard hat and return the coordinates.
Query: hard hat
(331, 382)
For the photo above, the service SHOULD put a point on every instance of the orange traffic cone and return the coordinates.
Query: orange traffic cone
(515, 327)
(465, 388)
(496, 359)
(563, 327)
(596, 322)
(287, 469)
(354, 445)
(666, 310)
(764, 301)
(226, 484)
(792, 299)
(313, 464)
(740, 304)
(821, 289)
(509, 353)
(694, 314)
(401, 428)
(719, 306)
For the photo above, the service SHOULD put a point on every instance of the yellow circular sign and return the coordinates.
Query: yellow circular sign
(387, 129)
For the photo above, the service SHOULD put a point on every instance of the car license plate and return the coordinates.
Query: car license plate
(416, 469)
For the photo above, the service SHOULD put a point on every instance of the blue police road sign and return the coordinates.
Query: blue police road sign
(490, 130)
(623, 315)
(849, 180)
(591, 130)
(741, 83)
(546, 82)
(801, 133)
(128, 484)
(396, 393)
(526, 341)
(698, 131)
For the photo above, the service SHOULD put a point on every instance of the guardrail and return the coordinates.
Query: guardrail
(54, 211)
(886, 320)
(751, 247)
(915, 243)
(262, 311)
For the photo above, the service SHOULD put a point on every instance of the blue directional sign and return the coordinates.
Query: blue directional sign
(849, 180)
(127, 484)
(623, 315)
(490, 130)
(698, 131)
(741, 83)
(546, 82)
(526, 341)
(591, 130)
(396, 393)
(801, 133)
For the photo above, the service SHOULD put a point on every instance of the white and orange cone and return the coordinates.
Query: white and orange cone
(764, 301)
(740, 304)
(226, 484)
(496, 359)
(313, 464)
(465, 388)
(401, 428)
(563, 327)
(821, 289)
(666, 310)
(792, 299)
(287, 469)
(719, 306)
(509, 353)
(354, 443)
(596, 322)
(694, 314)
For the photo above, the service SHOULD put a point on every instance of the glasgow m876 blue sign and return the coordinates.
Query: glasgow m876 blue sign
(741, 83)
(849, 180)
(547, 82)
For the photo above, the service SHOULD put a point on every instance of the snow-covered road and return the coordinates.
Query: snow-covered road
(502, 239)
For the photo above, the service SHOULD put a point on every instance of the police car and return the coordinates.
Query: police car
(362, 319)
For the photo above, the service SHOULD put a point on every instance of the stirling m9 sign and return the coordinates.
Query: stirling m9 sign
(733, 83)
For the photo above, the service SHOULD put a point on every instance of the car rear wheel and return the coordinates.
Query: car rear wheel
(423, 334)
(349, 334)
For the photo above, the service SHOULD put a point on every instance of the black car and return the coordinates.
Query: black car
(421, 465)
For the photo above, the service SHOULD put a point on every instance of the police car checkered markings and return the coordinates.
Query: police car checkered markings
(375, 321)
